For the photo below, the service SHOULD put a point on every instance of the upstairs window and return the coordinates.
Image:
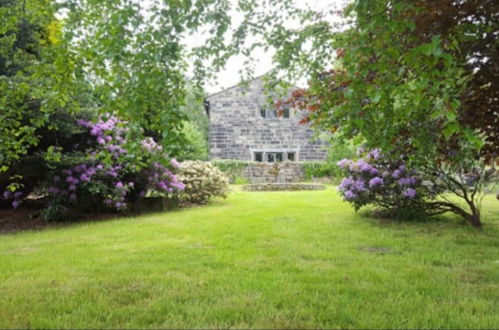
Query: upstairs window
(268, 113)
(285, 113)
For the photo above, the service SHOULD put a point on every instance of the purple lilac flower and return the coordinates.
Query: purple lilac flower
(349, 195)
(374, 154)
(346, 183)
(360, 185)
(366, 167)
(376, 181)
(91, 171)
(100, 167)
(396, 174)
(142, 193)
(174, 163)
(404, 182)
(72, 187)
(131, 184)
(67, 172)
(53, 190)
(119, 185)
(18, 194)
(6, 194)
(69, 179)
(108, 201)
(15, 204)
(178, 185)
(407, 181)
(344, 163)
(100, 140)
(409, 193)
(373, 171)
(80, 168)
(402, 167)
(84, 178)
(83, 123)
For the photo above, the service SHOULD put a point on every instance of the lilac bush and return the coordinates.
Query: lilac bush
(376, 180)
(116, 171)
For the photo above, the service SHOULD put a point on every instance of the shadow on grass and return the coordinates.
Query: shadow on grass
(29, 218)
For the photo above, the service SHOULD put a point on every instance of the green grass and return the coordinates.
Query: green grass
(266, 260)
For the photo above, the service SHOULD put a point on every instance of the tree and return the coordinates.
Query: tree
(402, 86)
(36, 76)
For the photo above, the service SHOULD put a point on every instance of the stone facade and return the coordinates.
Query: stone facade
(243, 128)
(277, 172)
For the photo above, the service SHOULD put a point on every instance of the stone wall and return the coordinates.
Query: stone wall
(237, 129)
(276, 172)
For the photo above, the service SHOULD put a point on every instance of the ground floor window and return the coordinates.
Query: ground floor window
(274, 156)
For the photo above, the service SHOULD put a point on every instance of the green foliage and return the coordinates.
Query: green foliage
(318, 170)
(203, 181)
(233, 169)
(229, 165)
(379, 79)
(239, 180)
(36, 76)
(194, 110)
(196, 147)
(136, 57)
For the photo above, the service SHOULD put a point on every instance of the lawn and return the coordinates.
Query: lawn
(265, 260)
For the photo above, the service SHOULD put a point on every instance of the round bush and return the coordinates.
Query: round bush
(387, 183)
(202, 181)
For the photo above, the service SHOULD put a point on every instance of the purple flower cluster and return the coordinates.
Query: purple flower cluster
(163, 179)
(16, 197)
(409, 193)
(151, 145)
(376, 181)
(375, 178)
(70, 181)
(112, 176)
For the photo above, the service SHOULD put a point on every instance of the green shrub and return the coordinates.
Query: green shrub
(202, 181)
(240, 180)
(197, 146)
(233, 169)
(319, 169)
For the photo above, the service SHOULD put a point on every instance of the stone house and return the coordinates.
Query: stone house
(243, 127)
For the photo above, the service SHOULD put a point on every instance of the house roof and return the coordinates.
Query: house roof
(236, 85)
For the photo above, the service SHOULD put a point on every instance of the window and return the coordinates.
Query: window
(262, 112)
(274, 156)
(268, 113)
(285, 113)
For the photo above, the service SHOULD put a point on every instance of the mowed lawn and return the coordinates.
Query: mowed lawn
(264, 260)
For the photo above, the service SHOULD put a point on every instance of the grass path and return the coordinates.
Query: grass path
(275, 259)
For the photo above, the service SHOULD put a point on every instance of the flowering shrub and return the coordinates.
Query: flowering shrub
(115, 172)
(376, 180)
(202, 181)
